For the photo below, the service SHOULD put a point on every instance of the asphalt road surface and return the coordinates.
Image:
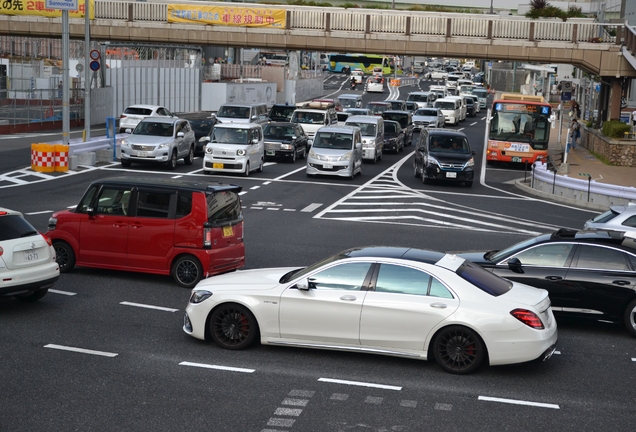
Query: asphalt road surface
(104, 350)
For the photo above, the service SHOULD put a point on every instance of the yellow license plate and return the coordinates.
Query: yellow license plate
(227, 230)
(218, 166)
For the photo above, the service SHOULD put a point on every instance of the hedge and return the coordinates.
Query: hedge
(615, 129)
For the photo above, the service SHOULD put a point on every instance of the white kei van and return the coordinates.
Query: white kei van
(243, 113)
(372, 129)
(235, 148)
(451, 108)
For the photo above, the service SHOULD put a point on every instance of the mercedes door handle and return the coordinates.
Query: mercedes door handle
(621, 282)
(439, 305)
(554, 278)
(348, 298)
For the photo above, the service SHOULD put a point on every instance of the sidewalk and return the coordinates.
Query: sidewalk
(581, 165)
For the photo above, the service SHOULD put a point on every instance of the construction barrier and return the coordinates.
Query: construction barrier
(49, 157)
(43, 157)
(61, 157)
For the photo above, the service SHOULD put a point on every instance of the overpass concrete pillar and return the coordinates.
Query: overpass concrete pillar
(616, 92)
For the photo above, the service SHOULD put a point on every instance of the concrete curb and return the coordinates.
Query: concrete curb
(520, 184)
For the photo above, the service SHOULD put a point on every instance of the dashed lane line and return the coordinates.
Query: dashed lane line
(147, 306)
(66, 293)
(81, 350)
(519, 402)
(360, 384)
(223, 368)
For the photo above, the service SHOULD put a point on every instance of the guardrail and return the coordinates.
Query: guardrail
(398, 22)
(589, 190)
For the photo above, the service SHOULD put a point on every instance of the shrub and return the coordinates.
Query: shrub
(615, 129)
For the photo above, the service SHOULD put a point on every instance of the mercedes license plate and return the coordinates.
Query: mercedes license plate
(517, 159)
(451, 175)
(30, 255)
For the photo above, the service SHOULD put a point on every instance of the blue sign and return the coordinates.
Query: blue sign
(565, 96)
(94, 65)
(545, 110)
(71, 5)
(489, 64)
(597, 87)
(498, 107)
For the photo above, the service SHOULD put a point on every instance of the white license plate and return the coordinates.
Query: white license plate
(271, 153)
(327, 166)
(516, 159)
(142, 153)
(451, 175)
(30, 255)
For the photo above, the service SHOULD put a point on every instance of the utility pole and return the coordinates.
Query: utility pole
(87, 70)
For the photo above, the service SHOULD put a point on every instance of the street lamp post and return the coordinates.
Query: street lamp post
(491, 7)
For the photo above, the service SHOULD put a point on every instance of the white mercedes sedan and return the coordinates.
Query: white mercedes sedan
(382, 300)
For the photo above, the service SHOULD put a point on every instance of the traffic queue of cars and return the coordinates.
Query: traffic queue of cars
(480, 308)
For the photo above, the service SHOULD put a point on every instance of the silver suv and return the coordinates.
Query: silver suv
(159, 140)
(617, 218)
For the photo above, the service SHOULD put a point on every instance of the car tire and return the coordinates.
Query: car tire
(233, 326)
(189, 159)
(187, 271)
(459, 350)
(64, 255)
(260, 166)
(629, 318)
(34, 296)
(125, 163)
(468, 183)
(246, 173)
(172, 163)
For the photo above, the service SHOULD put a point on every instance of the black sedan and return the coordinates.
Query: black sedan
(285, 140)
(393, 136)
(202, 124)
(588, 274)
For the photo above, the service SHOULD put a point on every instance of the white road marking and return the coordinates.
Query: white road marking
(461, 129)
(224, 368)
(269, 163)
(80, 350)
(266, 183)
(254, 187)
(289, 210)
(288, 412)
(408, 403)
(67, 293)
(273, 208)
(634, 359)
(557, 352)
(519, 402)
(280, 422)
(146, 306)
(311, 207)
(295, 402)
(360, 384)
(473, 124)
(40, 212)
(242, 193)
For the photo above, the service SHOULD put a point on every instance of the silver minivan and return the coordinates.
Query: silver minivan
(235, 148)
(243, 113)
(372, 129)
(350, 101)
(336, 151)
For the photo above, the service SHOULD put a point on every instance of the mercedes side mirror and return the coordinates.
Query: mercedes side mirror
(515, 265)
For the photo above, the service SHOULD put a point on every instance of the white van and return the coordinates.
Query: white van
(235, 148)
(422, 99)
(372, 129)
(463, 105)
(451, 108)
(313, 119)
(243, 113)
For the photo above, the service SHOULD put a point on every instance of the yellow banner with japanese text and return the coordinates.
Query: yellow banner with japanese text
(227, 15)
(38, 8)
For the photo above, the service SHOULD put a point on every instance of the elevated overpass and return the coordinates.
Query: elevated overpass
(606, 50)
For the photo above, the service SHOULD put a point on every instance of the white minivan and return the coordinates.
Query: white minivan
(243, 113)
(372, 129)
(451, 108)
(463, 106)
(235, 148)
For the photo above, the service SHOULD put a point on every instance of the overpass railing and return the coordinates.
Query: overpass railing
(398, 22)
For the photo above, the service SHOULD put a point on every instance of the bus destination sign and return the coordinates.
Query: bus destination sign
(522, 108)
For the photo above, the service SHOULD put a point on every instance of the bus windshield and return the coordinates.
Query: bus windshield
(521, 122)
(361, 61)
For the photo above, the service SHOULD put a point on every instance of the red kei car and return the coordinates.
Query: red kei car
(189, 229)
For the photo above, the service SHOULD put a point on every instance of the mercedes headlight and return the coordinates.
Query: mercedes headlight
(198, 296)
(240, 152)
